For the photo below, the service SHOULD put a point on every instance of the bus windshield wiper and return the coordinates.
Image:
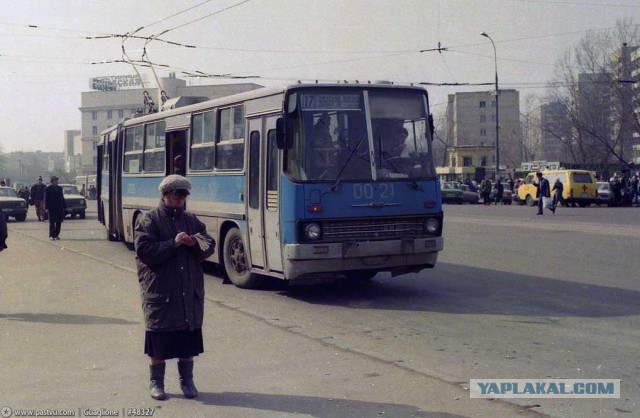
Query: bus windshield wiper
(335, 186)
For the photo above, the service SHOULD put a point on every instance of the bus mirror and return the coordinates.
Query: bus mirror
(283, 134)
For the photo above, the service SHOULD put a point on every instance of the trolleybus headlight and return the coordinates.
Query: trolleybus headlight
(312, 231)
(432, 225)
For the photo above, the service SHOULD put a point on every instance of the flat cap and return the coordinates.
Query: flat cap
(174, 182)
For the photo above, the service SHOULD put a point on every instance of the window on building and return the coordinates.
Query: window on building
(453, 161)
(94, 145)
(229, 154)
(109, 114)
(493, 118)
(121, 113)
(483, 161)
(94, 130)
(202, 141)
(483, 118)
(133, 147)
(493, 103)
(483, 103)
(154, 148)
(483, 132)
(467, 161)
(94, 115)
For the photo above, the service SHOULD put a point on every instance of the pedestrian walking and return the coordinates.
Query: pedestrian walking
(55, 206)
(170, 245)
(543, 190)
(558, 187)
(486, 191)
(499, 192)
(634, 189)
(37, 198)
(3, 232)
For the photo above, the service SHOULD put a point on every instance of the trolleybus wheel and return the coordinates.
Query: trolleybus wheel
(236, 265)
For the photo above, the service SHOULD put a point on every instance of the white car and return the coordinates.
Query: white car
(12, 205)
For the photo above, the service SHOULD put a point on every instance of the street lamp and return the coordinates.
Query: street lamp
(495, 56)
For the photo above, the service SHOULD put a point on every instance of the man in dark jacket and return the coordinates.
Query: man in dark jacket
(37, 197)
(543, 190)
(558, 198)
(170, 245)
(55, 206)
(3, 232)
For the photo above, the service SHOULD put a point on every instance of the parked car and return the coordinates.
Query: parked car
(451, 192)
(469, 195)
(12, 205)
(74, 201)
(605, 194)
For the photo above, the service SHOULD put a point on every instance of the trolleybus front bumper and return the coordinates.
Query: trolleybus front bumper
(398, 256)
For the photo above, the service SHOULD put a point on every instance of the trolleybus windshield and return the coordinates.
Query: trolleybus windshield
(359, 135)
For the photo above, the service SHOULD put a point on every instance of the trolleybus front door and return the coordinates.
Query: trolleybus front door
(255, 200)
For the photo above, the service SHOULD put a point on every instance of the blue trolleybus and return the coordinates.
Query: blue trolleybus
(300, 182)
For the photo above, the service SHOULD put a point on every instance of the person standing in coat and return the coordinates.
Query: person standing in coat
(3, 232)
(486, 191)
(558, 198)
(170, 245)
(543, 190)
(55, 206)
(37, 197)
(499, 192)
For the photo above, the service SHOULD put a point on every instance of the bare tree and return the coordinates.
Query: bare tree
(592, 82)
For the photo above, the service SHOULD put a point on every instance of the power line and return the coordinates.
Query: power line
(577, 3)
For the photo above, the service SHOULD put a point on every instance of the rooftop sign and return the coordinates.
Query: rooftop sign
(115, 82)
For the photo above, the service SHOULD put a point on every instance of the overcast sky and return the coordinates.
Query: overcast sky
(44, 69)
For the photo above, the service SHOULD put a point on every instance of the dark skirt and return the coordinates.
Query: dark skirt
(173, 344)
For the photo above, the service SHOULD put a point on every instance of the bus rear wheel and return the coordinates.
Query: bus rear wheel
(236, 265)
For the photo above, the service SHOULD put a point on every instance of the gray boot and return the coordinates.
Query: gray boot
(156, 387)
(185, 368)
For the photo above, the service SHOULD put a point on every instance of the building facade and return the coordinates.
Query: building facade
(551, 132)
(72, 150)
(471, 121)
(101, 109)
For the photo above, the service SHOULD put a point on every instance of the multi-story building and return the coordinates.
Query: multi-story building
(592, 124)
(112, 100)
(471, 121)
(72, 149)
(625, 100)
(551, 132)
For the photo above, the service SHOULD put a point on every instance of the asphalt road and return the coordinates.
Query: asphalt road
(514, 295)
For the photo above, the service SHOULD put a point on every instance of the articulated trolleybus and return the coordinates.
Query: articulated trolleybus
(297, 183)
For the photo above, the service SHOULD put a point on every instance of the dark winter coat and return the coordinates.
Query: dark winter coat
(3, 231)
(171, 278)
(37, 191)
(54, 203)
(543, 188)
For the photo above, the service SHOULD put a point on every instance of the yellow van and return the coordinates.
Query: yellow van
(579, 187)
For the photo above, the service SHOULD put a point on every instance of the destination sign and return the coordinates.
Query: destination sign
(330, 101)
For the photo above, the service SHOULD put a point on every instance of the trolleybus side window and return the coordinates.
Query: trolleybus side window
(272, 171)
(154, 153)
(202, 141)
(105, 153)
(133, 149)
(254, 170)
(229, 153)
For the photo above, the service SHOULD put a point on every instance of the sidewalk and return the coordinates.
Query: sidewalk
(71, 332)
